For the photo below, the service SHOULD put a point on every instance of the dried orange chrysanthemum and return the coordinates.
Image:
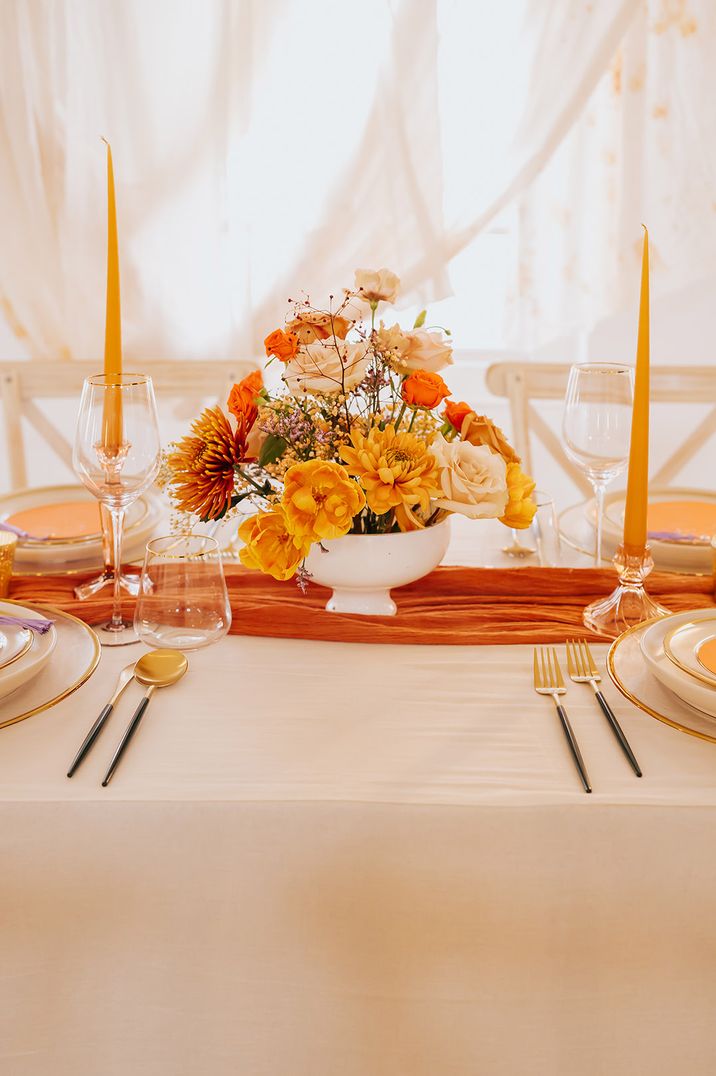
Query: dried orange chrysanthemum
(393, 468)
(203, 465)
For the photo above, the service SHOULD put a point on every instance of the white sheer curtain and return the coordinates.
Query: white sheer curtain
(267, 146)
(259, 148)
(642, 150)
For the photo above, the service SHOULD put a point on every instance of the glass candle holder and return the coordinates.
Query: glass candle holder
(8, 543)
(713, 563)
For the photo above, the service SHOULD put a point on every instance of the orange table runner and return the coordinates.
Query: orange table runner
(452, 605)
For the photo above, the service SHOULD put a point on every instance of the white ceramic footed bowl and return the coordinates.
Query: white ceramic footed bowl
(362, 568)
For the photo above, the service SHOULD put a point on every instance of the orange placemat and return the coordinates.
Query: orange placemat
(452, 605)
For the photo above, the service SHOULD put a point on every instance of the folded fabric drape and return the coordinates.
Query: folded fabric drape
(453, 605)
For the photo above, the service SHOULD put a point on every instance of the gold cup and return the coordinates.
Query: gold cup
(713, 562)
(8, 541)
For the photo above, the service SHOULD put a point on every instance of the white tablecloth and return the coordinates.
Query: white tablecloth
(323, 859)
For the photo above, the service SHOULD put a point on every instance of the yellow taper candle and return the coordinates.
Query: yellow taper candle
(112, 416)
(637, 496)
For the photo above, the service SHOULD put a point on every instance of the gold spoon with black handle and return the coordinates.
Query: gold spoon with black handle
(158, 668)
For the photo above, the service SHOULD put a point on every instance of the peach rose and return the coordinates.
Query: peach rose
(312, 325)
(377, 285)
(242, 398)
(456, 413)
(473, 479)
(423, 389)
(424, 350)
(283, 345)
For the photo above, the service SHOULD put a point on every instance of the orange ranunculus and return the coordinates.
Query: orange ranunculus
(312, 325)
(242, 398)
(456, 413)
(423, 389)
(283, 345)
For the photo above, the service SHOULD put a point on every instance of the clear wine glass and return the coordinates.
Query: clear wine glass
(596, 427)
(116, 455)
(183, 603)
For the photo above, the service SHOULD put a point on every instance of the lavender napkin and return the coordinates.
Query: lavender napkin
(38, 624)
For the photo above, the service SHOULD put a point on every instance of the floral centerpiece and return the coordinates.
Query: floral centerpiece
(361, 439)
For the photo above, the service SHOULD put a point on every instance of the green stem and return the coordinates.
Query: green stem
(412, 420)
(400, 416)
(249, 479)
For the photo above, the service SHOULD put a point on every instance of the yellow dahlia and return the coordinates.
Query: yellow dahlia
(320, 500)
(270, 546)
(393, 468)
(203, 465)
(520, 506)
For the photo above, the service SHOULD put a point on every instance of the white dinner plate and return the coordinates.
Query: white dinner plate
(577, 531)
(76, 657)
(683, 646)
(30, 664)
(685, 687)
(34, 559)
(632, 676)
(673, 553)
(142, 517)
(14, 642)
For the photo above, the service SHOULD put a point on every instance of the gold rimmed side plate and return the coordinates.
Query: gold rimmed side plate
(687, 719)
(21, 652)
(87, 666)
(710, 681)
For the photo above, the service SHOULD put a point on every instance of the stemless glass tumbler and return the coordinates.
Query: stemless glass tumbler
(183, 603)
(116, 455)
(597, 425)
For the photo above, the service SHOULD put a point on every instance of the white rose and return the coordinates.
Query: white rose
(473, 479)
(330, 367)
(377, 285)
(424, 351)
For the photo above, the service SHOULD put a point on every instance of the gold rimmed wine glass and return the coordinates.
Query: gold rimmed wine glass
(116, 455)
(596, 426)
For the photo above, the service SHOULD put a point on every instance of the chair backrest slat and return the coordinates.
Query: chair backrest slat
(22, 384)
(523, 383)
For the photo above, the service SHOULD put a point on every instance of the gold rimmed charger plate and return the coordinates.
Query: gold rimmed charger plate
(88, 666)
(710, 681)
(686, 712)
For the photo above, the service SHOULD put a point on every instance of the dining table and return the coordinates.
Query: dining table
(356, 859)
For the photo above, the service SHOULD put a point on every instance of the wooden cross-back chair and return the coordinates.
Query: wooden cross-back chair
(22, 384)
(523, 383)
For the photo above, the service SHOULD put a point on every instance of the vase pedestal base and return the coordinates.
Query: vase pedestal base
(364, 602)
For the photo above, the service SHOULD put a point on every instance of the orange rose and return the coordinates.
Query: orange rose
(283, 345)
(312, 325)
(242, 398)
(456, 413)
(423, 389)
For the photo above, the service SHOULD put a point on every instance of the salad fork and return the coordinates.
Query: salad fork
(582, 670)
(548, 680)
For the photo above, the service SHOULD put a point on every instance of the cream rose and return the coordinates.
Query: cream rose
(392, 339)
(377, 285)
(424, 350)
(473, 479)
(330, 367)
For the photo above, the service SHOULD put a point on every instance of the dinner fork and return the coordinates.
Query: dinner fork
(549, 681)
(582, 670)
